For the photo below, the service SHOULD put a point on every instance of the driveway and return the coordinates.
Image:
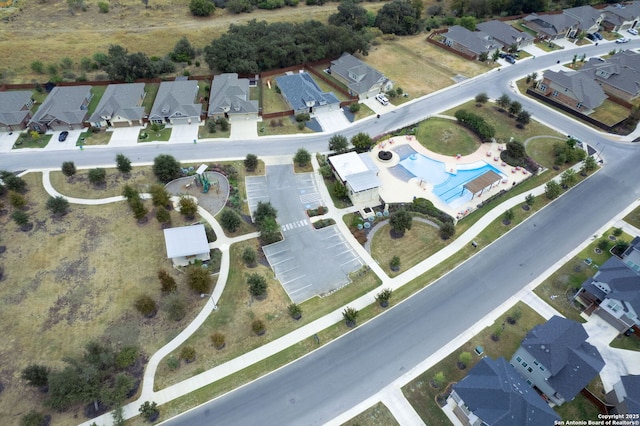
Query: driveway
(69, 143)
(124, 136)
(243, 128)
(184, 133)
(7, 140)
(308, 262)
(332, 121)
(377, 107)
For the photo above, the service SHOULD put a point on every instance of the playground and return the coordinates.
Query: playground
(211, 189)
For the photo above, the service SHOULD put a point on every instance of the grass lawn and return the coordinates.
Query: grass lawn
(541, 150)
(364, 111)
(85, 271)
(78, 186)
(204, 133)
(280, 126)
(446, 137)
(633, 218)
(549, 47)
(272, 101)
(421, 394)
(579, 408)
(610, 113)
(504, 125)
(96, 92)
(91, 138)
(26, 140)
(631, 343)
(162, 135)
(151, 90)
(379, 414)
(519, 26)
(420, 242)
(308, 168)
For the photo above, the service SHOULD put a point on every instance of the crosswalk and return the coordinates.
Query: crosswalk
(293, 225)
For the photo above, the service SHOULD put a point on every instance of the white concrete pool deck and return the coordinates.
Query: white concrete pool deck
(394, 190)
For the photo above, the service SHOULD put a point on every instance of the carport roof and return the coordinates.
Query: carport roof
(186, 241)
(481, 182)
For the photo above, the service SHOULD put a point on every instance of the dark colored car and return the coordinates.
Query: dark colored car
(63, 136)
(598, 36)
(592, 37)
(510, 59)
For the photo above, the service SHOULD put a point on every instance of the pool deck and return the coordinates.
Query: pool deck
(394, 190)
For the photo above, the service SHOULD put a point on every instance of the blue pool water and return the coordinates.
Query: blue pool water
(449, 187)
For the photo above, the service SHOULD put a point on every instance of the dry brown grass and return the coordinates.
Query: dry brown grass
(78, 186)
(73, 279)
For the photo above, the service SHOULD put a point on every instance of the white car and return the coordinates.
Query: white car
(382, 99)
(632, 31)
(622, 40)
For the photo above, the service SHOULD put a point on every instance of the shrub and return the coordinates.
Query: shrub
(129, 193)
(482, 98)
(123, 164)
(175, 306)
(167, 282)
(58, 205)
(257, 285)
(552, 190)
(400, 222)
(188, 354)
(127, 356)
(36, 375)
(465, 358)
(515, 154)
(166, 168)
(249, 256)
(146, 306)
(103, 6)
(218, 340)
(302, 157)
(475, 123)
(211, 126)
(97, 176)
(263, 211)
(188, 207)
(603, 244)
(20, 218)
(223, 123)
(68, 168)
(302, 117)
(14, 183)
(354, 108)
(163, 216)
(159, 195)
(173, 363)
(350, 316)
(362, 142)
(295, 311)
(394, 264)
(383, 297)
(258, 327)
(230, 220)
(251, 162)
(438, 379)
(447, 230)
(530, 200)
(201, 7)
(35, 418)
(138, 208)
(149, 410)
(17, 200)
(198, 279)
(617, 232)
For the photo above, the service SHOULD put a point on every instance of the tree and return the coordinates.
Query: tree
(17, 200)
(263, 211)
(269, 231)
(394, 263)
(129, 193)
(482, 98)
(67, 387)
(447, 230)
(504, 101)
(340, 190)
(21, 219)
(350, 315)
(58, 206)
(588, 165)
(223, 123)
(251, 162)
(166, 168)
(183, 51)
(249, 256)
(163, 216)
(230, 220)
(523, 118)
(138, 208)
(36, 375)
(400, 222)
(338, 144)
(362, 142)
(383, 297)
(258, 327)
(398, 17)
(14, 183)
(68, 168)
(568, 178)
(149, 411)
(198, 279)
(530, 200)
(123, 164)
(350, 14)
(302, 157)
(167, 282)
(515, 107)
(257, 285)
(175, 307)
(146, 306)
(468, 22)
(160, 197)
(295, 311)
(508, 216)
(464, 359)
(495, 55)
(552, 189)
(188, 207)
(218, 340)
(201, 7)
(97, 176)
(188, 353)
(238, 6)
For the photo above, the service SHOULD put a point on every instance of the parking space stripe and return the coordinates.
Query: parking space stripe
(300, 289)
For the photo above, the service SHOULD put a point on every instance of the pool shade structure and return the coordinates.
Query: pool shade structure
(485, 181)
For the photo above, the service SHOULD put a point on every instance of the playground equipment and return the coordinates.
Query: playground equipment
(201, 178)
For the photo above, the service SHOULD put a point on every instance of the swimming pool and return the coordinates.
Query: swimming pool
(449, 187)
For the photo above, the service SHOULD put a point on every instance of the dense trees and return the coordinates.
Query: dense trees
(338, 144)
(258, 46)
(166, 168)
(477, 124)
(230, 220)
(399, 17)
(362, 142)
(122, 65)
(350, 14)
(265, 218)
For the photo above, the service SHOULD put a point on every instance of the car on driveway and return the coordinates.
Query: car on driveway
(632, 31)
(598, 36)
(63, 136)
(510, 59)
(592, 37)
(382, 99)
(622, 40)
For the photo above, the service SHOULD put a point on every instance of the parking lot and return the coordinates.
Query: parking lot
(308, 262)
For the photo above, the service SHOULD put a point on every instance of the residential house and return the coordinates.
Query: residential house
(556, 359)
(15, 110)
(621, 16)
(66, 108)
(631, 255)
(552, 26)
(120, 106)
(619, 75)
(359, 174)
(493, 393)
(471, 43)
(230, 97)
(614, 292)
(505, 34)
(176, 103)
(303, 94)
(588, 18)
(625, 395)
(361, 79)
(186, 244)
(573, 89)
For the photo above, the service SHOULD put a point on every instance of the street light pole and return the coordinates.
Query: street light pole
(202, 295)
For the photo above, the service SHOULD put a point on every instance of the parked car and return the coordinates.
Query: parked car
(502, 55)
(598, 36)
(382, 99)
(510, 59)
(622, 40)
(632, 31)
(63, 136)
(592, 37)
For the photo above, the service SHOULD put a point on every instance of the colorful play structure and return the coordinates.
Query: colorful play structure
(201, 179)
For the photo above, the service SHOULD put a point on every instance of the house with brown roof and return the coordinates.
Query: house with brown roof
(66, 108)
(15, 110)
(619, 75)
(573, 89)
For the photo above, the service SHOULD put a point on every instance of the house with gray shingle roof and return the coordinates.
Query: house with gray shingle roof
(556, 359)
(15, 106)
(505, 34)
(361, 79)
(574, 89)
(303, 94)
(619, 75)
(552, 26)
(471, 43)
(613, 292)
(588, 18)
(621, 16)
(176, 103)
(64, 109)
(120, 106)
(230, 97)
(493, 393)
(625, 395)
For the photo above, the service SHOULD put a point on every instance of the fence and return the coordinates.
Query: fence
(445, 47)
(5, 87)
(602, 407)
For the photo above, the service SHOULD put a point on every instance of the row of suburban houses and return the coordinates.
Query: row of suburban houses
(177, 102)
